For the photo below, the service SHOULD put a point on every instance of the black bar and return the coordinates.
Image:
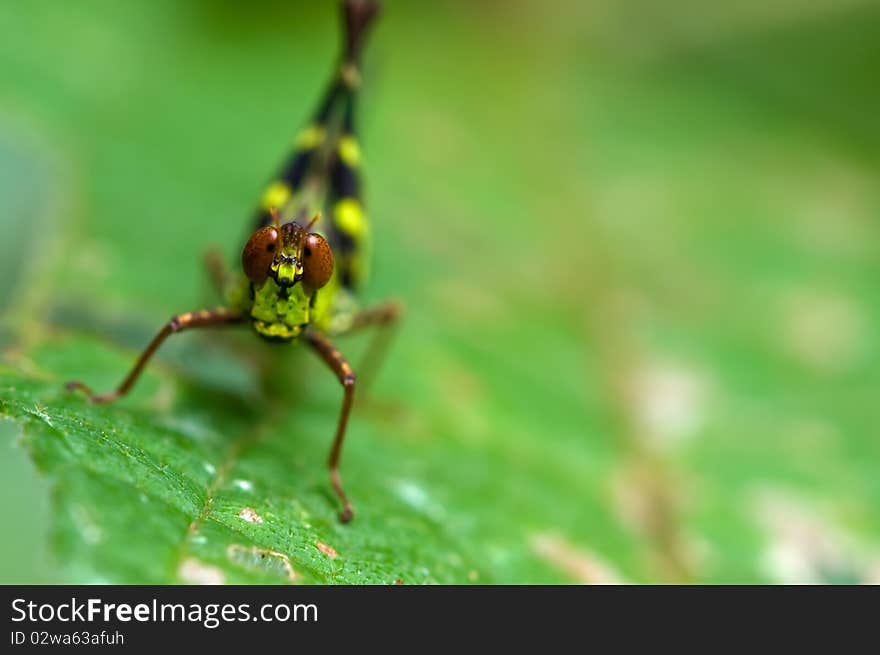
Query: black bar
(423, 616)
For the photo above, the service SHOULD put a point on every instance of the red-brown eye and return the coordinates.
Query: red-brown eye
(259, 253)
(317, 262)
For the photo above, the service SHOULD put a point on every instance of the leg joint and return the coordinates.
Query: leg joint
(395, 310)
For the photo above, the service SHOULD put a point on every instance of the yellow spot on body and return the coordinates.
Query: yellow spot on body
(350, 151)
(349, 217)
(350, 76)
(276, 195)
(310, 137)
(277, 330)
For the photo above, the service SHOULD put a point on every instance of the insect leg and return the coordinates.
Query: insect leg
(204, 318)
(385, 317)
(384, 314)
(218, 272)
(334, 359)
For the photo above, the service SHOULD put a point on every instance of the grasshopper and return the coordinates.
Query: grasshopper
(299, 281)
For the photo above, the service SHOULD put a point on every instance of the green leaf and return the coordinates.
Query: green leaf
(639, 260)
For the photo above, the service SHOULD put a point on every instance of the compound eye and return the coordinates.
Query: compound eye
(317, 262)
(258, 254)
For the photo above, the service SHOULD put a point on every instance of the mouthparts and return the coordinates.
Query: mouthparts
(286, 271)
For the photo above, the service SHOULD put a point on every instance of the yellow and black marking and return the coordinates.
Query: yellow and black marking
(327, 157)
(328, 153)
(350, 230)
(281, 191)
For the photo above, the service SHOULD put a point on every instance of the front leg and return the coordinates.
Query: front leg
(385, 317)
(334, 359)
(204, 318)
(218, 272)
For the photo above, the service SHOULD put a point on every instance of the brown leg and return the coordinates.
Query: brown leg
(218, 272)
(180, 322)
(334, 359)
(384, 316)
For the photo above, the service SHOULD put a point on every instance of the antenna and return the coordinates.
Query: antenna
(315, 219)
(276, 217)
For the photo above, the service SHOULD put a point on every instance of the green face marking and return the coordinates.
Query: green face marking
(280, 312)
(280, 308)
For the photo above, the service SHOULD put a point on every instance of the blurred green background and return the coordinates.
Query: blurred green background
(639, 248)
